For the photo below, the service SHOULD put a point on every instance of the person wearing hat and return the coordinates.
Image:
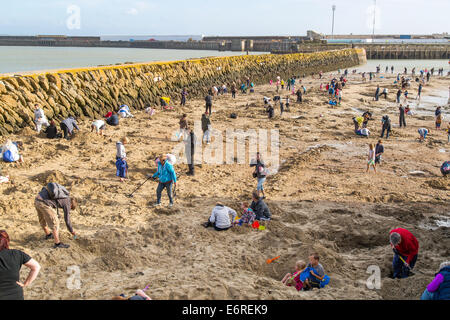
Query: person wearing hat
(406, 248)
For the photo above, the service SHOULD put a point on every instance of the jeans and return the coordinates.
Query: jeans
(207, 136)
(427, 295)
(233, 94)
(261, 181)
(208, 107)
(402, 121)
(400, 270)
(161, 187)
(387, 133)
(65, 130)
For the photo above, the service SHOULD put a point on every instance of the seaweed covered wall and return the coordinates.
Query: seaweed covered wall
(92, 92)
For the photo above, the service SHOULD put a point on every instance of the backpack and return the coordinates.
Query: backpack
(233, 116)
(445, 168)
(57, 191)
(8, 156)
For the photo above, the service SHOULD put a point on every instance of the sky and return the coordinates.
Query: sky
(231, 17)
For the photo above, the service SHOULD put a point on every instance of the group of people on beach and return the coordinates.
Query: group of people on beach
(306, 276)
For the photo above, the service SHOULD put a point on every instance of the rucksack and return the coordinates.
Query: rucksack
(233, 116)
(57, 191)
(445, 168)
(8, 156)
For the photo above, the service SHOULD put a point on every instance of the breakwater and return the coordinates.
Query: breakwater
(92, 92)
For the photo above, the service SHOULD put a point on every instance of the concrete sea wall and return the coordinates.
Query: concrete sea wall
(92, 92)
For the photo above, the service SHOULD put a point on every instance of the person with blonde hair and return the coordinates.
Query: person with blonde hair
(371, 158)
(294, 278)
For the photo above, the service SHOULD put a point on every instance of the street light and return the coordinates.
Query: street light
(332, 28)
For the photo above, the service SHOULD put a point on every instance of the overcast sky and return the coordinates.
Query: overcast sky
(231, 17)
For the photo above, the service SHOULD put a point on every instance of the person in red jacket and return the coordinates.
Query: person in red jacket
(405, 247)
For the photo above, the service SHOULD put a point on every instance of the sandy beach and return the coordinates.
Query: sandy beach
(321, 200)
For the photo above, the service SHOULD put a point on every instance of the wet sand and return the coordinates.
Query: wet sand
(321, 199)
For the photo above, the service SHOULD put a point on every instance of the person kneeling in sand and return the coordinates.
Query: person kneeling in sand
(296, 278)
(99, 126)
(10, 152)
(423, 132)
(317, 273)
(220, 218)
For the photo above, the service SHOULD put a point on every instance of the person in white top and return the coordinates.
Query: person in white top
(99, 126)
(39, 118)
(371, 158)
(124, 111)
(220, 218)
(121, 153)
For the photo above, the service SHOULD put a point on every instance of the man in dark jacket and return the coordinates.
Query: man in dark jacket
(206, 124)
(386, 126)
(189, 150)
(208, 100)
(49, 218)
(259, 207)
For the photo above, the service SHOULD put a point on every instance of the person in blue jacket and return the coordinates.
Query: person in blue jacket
(167, 179)
(439, 288)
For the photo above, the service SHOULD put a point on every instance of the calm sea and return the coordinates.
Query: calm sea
(20, 59)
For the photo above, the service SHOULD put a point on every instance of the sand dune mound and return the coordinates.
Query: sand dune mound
(51, 176)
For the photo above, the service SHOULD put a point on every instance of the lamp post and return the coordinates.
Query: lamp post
(374, 13)
(332, 27)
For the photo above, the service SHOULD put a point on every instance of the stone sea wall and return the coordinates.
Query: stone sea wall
(92, 92)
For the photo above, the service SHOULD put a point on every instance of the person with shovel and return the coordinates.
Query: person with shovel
(406, 249)
(167, 179)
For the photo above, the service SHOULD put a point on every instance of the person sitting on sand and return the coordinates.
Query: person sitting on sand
(124, 111)
(260, 208)
(371, 158)
(248, 216)
(295, 278)
(423, 132)
(10, 151)
(167, 179)
(445, 168)
(317, 273)
(406, 248)
(364, 132)
(11, 261)
(140, 295)
(99, 126)
(68, 126)
(39, 118)
(51, 197)
(52, 132)
(439, 288)
(220, 218)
